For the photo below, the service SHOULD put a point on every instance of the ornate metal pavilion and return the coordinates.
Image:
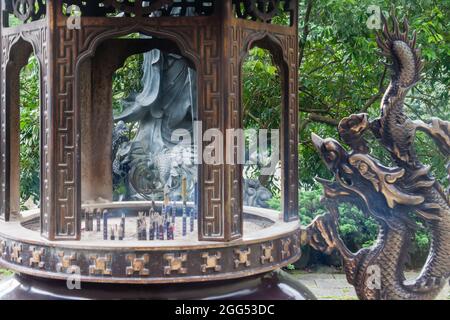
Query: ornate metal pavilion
(76, 66)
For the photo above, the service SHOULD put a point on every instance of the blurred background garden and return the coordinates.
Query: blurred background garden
(339, 74)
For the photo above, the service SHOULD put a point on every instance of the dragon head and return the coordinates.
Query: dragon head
(363, 181)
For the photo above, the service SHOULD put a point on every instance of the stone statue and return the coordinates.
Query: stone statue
(255, 195)
(151, 161)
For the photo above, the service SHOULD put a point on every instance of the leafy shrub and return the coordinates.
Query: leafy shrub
(29, 131)
(127, 80)
(355, 229)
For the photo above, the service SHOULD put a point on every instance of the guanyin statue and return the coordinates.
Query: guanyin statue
(151, 161)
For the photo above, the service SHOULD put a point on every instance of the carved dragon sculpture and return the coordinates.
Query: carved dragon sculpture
(393, 196)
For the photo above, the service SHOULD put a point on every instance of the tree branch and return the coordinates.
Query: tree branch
(380, 93)
(323, 119)
(305, 32)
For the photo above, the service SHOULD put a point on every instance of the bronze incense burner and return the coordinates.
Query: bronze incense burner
(78, 52)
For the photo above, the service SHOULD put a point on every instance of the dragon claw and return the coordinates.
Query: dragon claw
(324, 233)
(428, 284)
(351, 130)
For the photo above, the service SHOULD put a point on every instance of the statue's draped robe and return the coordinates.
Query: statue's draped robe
(166, 103)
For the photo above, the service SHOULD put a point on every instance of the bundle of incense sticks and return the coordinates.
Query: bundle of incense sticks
(174, 212)
(113, 232)
(192, 218)
(105, 224)
(161, 228)
(152, 224)
(98, 218)
(192, 211)
(196, 200)
(141, 227)
(122, 227)
(144, 227)
(120, 233)
(163, 216)
(89, 221)
(183, 197)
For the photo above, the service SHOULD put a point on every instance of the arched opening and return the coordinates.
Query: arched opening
(264, 97)
(138, 124)
(22, 126)
(29, 125)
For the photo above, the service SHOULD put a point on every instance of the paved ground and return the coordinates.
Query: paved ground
(334, 286)
(326, 286)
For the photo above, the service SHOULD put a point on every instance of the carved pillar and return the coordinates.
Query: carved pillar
(220, 191)
(2, 132)
(13, 134)
(63, 190)
(290, 171)
(45, 125)
(233, 120)
(210, 102)
(291, 133)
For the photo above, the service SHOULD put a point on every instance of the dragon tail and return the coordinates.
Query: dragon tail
(393, 126)
(406, 59)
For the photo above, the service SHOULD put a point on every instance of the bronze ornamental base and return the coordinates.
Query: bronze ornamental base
(276, 285)
(248, 268)
(24, 251)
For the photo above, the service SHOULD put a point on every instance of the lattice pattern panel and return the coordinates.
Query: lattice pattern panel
(235, 121)
(66, 178)
(22, 11)
(140, 8)
(37, 38)
(213, 224)
(265, 10)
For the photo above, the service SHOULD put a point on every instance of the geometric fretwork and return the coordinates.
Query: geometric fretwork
(23, 10)
(140, 8)
(263, 11)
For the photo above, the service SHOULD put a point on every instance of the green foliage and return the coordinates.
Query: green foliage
(261, 103)
(262, 91)
(290, 267)
(356, 230)
(5, 273)
(341, 74)
(29, 131)
(127, 80)
(275, 203)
